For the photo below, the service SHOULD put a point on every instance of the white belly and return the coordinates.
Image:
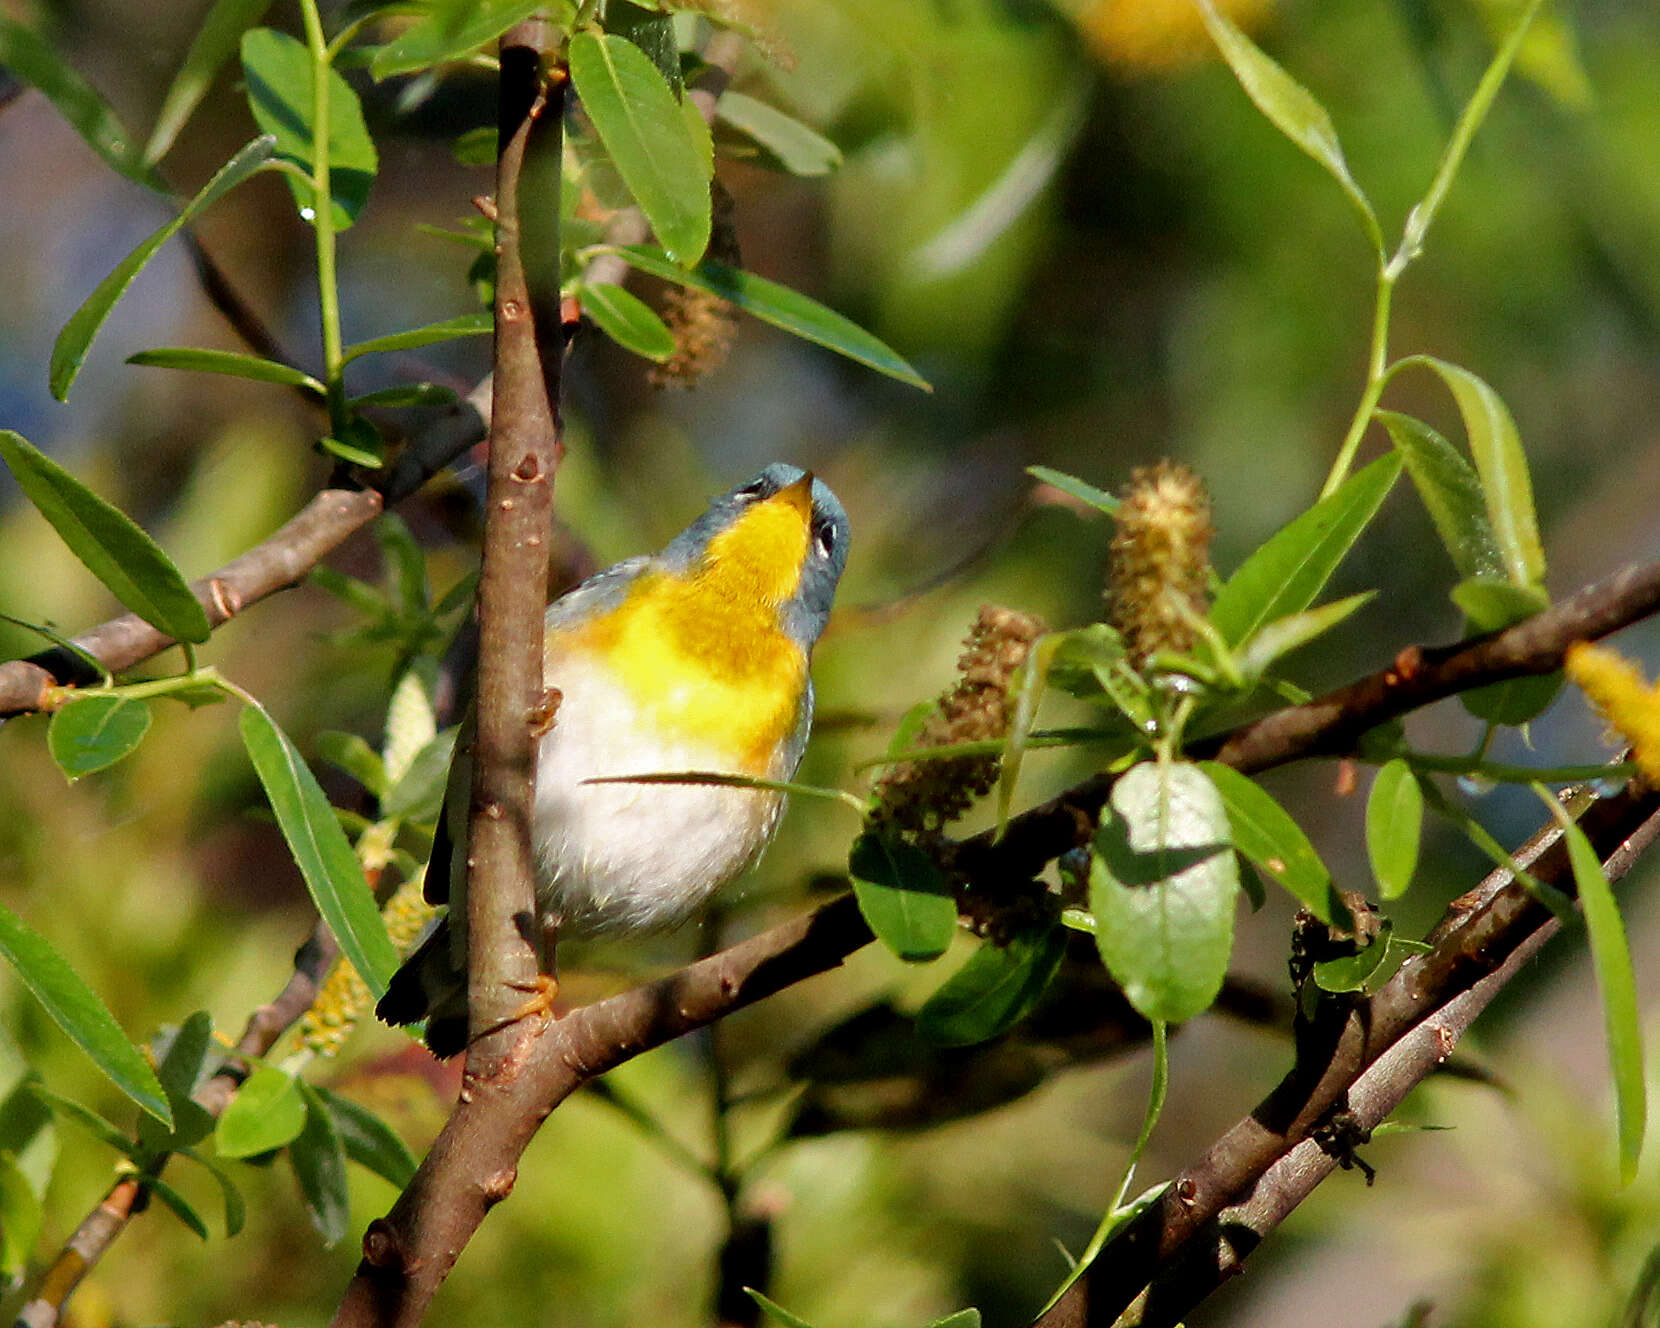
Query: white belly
(620, 857)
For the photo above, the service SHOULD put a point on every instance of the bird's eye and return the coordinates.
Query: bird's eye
(824, 539)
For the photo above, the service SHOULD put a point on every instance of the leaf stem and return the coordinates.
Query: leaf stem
(322, 220)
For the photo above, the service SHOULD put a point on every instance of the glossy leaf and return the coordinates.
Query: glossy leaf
(1163, 882)
(26, 55)
(266, 1113)
(798, 149)
(1287, 573)
(1280, 637)
(69, 351)
(1506, 487)
(227, 362)
(319, 1163)
(110, 544)
(638, 119)
(76, 1009)
(450, 31)
(93, 732)
(326, 861)
(368, 1140)
(1451, 493)
(903, 896)
(1394, 826)
(780, 306)
(216, 39)
(467, 325)
(1611, 957)
(278, 72)
(1266, 834)
(998, 984)
(1074, 487)
(652, 32)
(627, 320)
(1289, 106)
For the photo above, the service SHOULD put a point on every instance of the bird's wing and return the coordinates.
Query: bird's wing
(599, 593)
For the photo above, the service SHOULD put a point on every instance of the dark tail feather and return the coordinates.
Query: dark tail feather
(428, 987)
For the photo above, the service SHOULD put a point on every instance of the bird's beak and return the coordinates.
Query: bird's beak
(798, 495)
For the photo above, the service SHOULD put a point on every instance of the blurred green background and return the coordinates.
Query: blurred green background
(1075, 224)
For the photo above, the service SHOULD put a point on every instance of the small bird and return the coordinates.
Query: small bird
(692, 659)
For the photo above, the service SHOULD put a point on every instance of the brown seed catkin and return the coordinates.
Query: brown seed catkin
(1158, 566)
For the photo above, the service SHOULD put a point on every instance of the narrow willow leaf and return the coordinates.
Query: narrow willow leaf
(89, 1120)
(368, 1140)
(69, 351)
(777, 1311)
(93, 732)
(1290, 108)
(1163, 881)
(638, 119)
(998, 984)
(227, 362)
(319, 1162)
(1280, 637)
(1451, 493)
(266, 1113)
(449, 32)
(903, 896)
(181, 1206)
(798, 149)
(1611, 957)
(627, 320)
(1287, 573)
(278, 71)
(961, 1319)
(180, 1069)
(419, 791)
(1394, 826)
(76, 1009)
(1502, 465)
(406, 394)
(214, 43)
(1026, 687)
(1073, 487)
(1491, 605)
(110, 544)
(1265, 833)
(26, 55)
(326, 861)
(21, 1217)
(778, 305)
(236, 1209)
(467, 325)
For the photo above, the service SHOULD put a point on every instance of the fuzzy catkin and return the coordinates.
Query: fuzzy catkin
(344, 998)
(1158, 565)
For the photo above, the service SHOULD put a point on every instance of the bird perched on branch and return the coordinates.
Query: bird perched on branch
(692, 659)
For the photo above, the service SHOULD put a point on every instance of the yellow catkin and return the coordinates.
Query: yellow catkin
(922, 796)
(1625, 700)
(344, 997)
(1158, 566)
(1156, 36)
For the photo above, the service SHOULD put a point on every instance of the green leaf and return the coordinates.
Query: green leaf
(111, 545)
(778, 305)
(181, 1206)
(627, 320)
(227, 362)
(961, 1319)
(639, 121)
(1287, 573)
(1451, 492)
(1502, 467)
(76, 1009)
(997, 985)
(28, 56)
(1280, 637)
(266, 1113)
(800, 150)
(1611, 957)
(406, 394)
(1163, 881)
(348, 752)
(1491, 605)
(69, 352)
(1026, 688)
(1073, 487)
(215, 40)
(419, 792)
(279, 76)
(1290, 108)
(368, 1140)
(236, 1210)
(1085, 655)
(450, 31)
(88, 1119)
(777, 1311)
(331, 870)
(903, 896)
(467, 325)
(1265, 833)
(21, 1217)
(93, 732)
(1394, 826)
(1371, 967)
(319, 1163)
(180, 1069)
